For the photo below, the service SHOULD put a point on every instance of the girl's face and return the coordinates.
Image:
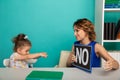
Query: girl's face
(79, 34)
(24, 50)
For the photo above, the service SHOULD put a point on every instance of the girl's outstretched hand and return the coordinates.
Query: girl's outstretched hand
(43, 54)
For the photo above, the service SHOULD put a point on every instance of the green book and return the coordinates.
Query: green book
(45, 75)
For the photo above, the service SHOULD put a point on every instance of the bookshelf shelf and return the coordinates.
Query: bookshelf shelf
(112, 9)
(111, 40)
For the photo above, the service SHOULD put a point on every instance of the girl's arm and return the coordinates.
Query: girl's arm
(110, 63)
(30, 56)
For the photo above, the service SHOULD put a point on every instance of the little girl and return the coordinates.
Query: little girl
(21, 52)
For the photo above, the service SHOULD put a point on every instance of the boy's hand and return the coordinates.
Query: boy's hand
(43, 54)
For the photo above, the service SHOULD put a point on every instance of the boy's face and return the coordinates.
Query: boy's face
(24, 50)
(79, 33)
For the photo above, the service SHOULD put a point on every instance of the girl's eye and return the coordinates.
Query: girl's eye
(27, 51)
(76, 30)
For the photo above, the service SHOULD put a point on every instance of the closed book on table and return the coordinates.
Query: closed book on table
(45, 75)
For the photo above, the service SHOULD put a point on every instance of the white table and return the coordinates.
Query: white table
(68, 73)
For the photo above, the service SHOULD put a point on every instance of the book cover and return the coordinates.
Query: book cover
(45, 75)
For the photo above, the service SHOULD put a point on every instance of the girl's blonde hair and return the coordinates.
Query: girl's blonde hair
(87, 26)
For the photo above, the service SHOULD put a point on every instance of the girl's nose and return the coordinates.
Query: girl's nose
(75, 33)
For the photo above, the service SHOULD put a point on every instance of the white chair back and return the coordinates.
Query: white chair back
(6, 62)
(63, 58)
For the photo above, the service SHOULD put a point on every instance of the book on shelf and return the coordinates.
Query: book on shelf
(113, 31)
(105, 31)
(117, 30)
(109, 31)
(112, 3)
